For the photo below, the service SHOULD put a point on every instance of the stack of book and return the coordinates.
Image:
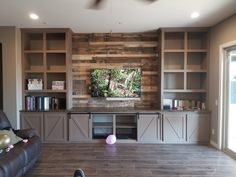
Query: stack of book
(42, 103)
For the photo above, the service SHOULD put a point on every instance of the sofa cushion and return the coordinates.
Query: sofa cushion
(12, 163)
(4, 122)
(13, 138)
(31, 149)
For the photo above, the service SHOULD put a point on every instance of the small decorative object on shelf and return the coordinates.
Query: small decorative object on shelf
(177, 104)
(35, 84)
(58, 85)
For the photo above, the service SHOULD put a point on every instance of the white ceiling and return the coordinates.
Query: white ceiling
(115, 16)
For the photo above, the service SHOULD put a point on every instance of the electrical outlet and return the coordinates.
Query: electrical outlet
(216, 102)
(213, 131)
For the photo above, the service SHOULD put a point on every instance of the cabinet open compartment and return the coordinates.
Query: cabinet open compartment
(102, 126)
(196, 81)
(185, 95)
(33, 41)
(56, 62)
(173, 60)
(33, 62)
(197, 40)
(55, 41)
(55, 77)
(173, 81)
(174, 40)
(197, 61)
(126, 126)
(29, 75)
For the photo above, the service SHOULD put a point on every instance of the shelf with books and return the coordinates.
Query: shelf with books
(44, 103)
(45, 54)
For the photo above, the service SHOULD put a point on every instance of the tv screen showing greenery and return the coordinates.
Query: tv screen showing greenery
(116, 82)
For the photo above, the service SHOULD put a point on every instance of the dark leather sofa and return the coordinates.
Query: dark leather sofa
(23, 156)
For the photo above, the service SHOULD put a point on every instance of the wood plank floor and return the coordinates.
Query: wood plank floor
(133, 160)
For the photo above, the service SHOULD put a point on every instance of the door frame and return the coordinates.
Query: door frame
(222, 111)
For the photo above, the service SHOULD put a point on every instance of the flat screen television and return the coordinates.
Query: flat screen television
(116, 83)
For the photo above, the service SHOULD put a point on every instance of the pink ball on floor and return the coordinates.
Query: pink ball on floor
(111, 139)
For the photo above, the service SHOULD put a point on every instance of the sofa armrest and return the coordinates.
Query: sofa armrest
(26, 133)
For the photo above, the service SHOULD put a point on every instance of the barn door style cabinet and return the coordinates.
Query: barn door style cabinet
(50, 126)
(174, 127)
(186, 127)
(32, 120)
(198, 127)
(79, 127)
(149, 128)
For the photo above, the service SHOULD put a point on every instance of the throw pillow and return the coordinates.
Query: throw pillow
(8, 137)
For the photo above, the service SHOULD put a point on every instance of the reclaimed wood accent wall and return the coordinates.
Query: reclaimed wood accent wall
(115, 50)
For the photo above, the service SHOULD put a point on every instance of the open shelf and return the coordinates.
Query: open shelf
(56, 62)
(173, 61)
(126, 126)
(33, 76)
(173, 81)
(55, 41)
(174, 40)
(33, 41)
(197, 61)
(55, 77)
(33, 61)
(197, 40)
(196, 81)
(102, 125)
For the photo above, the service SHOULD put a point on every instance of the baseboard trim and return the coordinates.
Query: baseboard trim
(214, 144)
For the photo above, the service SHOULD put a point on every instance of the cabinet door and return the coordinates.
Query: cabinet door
(79, 127)
(32, 120)
(149, 129)
(55, 126)
(198, 127)
(174, 127)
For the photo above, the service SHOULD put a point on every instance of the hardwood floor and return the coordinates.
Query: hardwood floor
(133, 160)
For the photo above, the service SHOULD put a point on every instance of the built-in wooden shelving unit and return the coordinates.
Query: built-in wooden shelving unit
(184, 54)
(45, 55)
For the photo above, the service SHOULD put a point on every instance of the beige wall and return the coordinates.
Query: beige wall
(220, 34)
(10, 39)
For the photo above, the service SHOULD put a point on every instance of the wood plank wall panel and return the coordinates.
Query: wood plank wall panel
(115, 50)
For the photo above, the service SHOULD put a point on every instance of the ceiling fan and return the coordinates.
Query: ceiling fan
(96, 4)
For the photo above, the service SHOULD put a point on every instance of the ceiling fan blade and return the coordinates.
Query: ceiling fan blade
(96, 4)
(150, 1)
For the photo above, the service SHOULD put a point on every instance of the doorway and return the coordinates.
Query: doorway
(1, 80)
(230, 101)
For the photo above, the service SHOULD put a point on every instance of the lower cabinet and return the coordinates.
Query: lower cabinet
(50, 126)
(32, 120)
(79, 127)
(198, 127)
(55, 126)
(189, 127)
(168, 127)
(149, 128)
(174, 127)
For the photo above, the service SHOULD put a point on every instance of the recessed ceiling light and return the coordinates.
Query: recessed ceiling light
(195, 15)
(34, 16)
